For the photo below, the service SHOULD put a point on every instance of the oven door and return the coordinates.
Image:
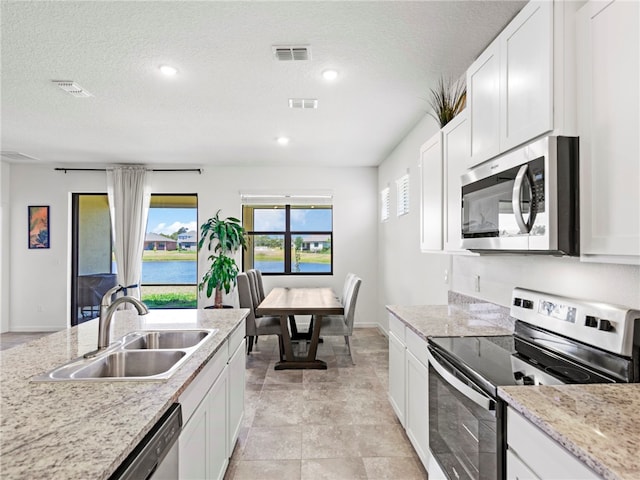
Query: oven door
(463, 426)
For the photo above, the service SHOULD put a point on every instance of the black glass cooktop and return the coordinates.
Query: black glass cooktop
(531, 357)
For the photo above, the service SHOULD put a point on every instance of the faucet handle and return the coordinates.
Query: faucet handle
(106, 298)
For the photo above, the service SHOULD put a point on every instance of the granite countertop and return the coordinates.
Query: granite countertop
(598, 423)
(82, 430)
(454, 320)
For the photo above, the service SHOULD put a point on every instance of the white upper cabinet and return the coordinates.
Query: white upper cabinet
(483, 104)
(520, 87)
(526, 75)
(608, 125)
(455, 152)
(431, 194)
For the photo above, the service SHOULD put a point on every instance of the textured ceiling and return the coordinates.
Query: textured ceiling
(229, 101)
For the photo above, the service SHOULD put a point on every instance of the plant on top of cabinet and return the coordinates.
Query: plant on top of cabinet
(448, 99)
(229, 236)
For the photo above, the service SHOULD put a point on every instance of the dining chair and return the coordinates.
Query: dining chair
(347, 284)
(259, 284)
(253, 285)
(342, 325)
(255, 326)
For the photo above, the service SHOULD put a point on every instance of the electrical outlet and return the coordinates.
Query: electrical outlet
(446, 276)
(476, 283)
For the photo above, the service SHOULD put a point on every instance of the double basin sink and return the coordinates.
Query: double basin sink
(139, 355)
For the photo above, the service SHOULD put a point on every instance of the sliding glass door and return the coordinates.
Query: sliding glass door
(169, 260)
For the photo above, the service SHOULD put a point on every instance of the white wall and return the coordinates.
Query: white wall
(407, 276)
(39, 279)
(5, 172)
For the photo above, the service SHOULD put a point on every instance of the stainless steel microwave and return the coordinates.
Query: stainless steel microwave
(526, 200)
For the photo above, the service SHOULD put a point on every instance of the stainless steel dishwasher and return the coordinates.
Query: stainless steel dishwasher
(156, 456)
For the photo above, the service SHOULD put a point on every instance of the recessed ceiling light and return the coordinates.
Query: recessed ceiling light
(168, 70)
(330, 75)
(283, 140)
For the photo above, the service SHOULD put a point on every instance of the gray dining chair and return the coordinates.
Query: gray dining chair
(342, 325)
(256, 326)
(259, 285)
(253, 285)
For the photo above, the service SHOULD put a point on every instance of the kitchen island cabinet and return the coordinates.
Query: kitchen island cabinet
(211, 428)
(81, 430)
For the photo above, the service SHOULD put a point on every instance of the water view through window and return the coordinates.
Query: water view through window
(169, 259)
(288, 239)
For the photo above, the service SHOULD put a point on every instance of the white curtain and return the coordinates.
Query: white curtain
(129, 196)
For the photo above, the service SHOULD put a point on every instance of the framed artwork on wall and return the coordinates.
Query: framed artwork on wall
(38, 226)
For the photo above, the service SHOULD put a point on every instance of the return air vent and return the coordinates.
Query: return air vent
(303, 103)
(284, 53)
(72, 88)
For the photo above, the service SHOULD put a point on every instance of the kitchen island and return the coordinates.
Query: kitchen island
(82, 430)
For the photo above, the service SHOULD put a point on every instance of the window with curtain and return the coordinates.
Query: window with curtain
(289, 239)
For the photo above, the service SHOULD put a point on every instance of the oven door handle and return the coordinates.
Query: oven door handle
(476, 397)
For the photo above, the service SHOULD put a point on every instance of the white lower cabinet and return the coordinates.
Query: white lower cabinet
(237, 368)
(212, 409)
(396, 376)
(532, 454)
(417, 406)
(409, 385)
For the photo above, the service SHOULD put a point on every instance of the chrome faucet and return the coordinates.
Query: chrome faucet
(107, 310)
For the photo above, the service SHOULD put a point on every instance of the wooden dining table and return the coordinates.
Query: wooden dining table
(286, 302)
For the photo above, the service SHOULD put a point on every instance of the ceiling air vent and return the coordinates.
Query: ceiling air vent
(288, 53)
(303, 103)
(72, 88)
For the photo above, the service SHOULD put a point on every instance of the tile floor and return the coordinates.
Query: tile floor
(313, 424)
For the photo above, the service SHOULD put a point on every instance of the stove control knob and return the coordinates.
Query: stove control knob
(528, 380)
(591, 321)
(518, 375)
(605, 325)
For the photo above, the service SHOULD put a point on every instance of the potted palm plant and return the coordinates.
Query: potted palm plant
(226, 236)
(448, 99)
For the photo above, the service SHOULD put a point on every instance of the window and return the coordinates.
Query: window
(384, 204)
(402, 186)
(170, 256)
(289, 239)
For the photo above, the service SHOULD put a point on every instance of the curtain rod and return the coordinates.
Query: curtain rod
(65, 170)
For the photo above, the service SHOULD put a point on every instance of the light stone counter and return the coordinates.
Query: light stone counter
(84, 430)
(598, 423)
(454, 319)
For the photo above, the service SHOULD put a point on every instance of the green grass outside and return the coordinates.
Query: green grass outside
(172, 296)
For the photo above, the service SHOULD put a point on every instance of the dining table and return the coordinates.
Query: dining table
(287, 302)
